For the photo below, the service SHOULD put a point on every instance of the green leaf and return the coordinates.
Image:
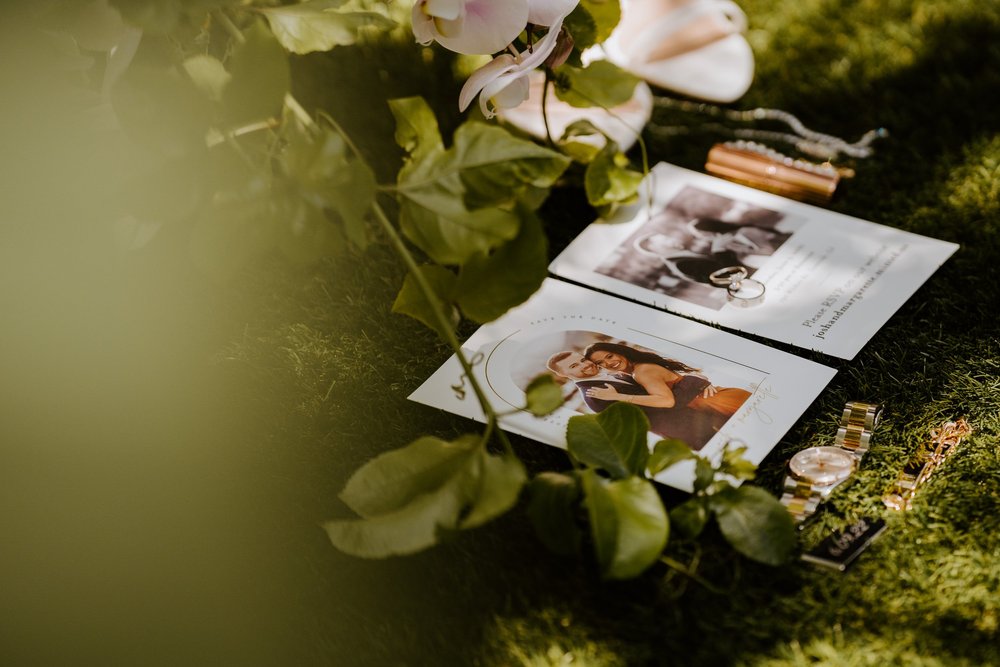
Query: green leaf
(582, 151)
(643, 527)
(704, 473)
(416, 127)
(666, 453)
(351, 194)
(605, 15)
(532, 198)
(437, 222)
(614, 440)
(409, 496)
(496, 166)
(260, 78)
(490, 285)
(324, 172)
(485, 161)
(582, 25)
(162, 109)
(552, 510)
(628, 522)
(319, 26)
(603, 517)
(500, 482)
(608, 180)
(208, 75)
(734, 464)
(151, 15)
(173, 188)
(94, 25)
(238, 227)
(412, 528)
(599, 84)
(394, 479)
(755, 523)
(412, 301)
(544, 395)
(689, 518)
(305, 234)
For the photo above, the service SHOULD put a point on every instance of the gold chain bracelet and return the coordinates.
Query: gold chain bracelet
(944, 441)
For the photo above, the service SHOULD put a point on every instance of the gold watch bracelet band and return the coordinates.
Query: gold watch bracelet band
(857, 424)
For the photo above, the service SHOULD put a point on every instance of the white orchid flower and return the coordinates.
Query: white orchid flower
(503, 82)
(547, 12)
(471, 27)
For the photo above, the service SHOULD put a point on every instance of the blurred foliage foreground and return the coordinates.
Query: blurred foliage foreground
(171, 444)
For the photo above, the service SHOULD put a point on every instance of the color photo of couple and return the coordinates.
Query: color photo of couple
(679, 399)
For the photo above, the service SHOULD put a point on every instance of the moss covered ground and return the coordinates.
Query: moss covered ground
(168, 509)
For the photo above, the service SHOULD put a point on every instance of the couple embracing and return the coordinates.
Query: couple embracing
(678, 401)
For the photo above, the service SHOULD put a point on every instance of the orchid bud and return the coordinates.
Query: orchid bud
(564, 47)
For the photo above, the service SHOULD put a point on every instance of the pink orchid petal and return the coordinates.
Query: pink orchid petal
(491, 80)
(542, 48)
(423, 25)
(443, 9)
(487, 26)
(482, 77)
(547, 12)
(506, 92)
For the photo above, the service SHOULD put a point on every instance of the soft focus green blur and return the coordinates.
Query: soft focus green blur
(131, 529)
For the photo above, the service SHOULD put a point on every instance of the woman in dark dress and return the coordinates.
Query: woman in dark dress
(676, 397)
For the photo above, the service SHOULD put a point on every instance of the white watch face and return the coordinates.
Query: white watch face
(822, 465)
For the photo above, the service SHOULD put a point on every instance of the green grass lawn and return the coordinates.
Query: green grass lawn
(166, 471)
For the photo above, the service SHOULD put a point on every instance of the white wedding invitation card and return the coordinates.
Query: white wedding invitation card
(815, 278)
(724, 388)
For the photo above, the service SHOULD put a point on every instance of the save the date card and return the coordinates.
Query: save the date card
(694, 383)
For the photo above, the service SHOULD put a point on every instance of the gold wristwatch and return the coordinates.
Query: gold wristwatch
(815, 472)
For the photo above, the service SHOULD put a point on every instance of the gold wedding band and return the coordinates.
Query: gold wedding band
(727, 276)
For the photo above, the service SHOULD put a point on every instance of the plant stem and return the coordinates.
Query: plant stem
(683, 569)
(215, 140)
(340, 130)
(442, 321)
(296, 108)
(228, 25)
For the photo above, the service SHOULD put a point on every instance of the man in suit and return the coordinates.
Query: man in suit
(585, 373)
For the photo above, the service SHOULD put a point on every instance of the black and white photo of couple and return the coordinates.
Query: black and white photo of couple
(679, 400)
(695, 234)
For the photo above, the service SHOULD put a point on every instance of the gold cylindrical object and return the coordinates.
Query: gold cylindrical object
(795, 179)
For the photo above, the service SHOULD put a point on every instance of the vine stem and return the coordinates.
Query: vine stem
(683, 569)
(404, 253)
(444, 324)
(228, 25)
